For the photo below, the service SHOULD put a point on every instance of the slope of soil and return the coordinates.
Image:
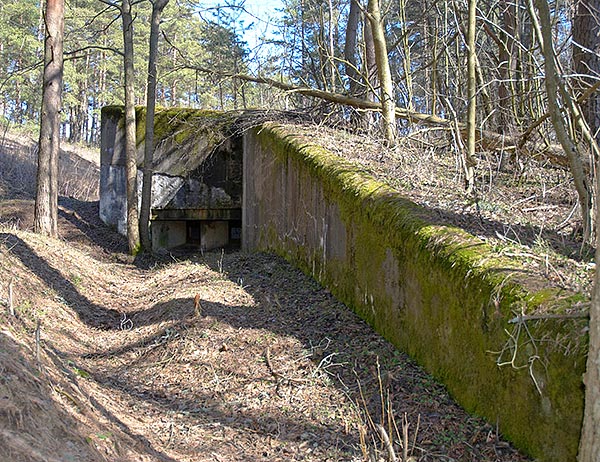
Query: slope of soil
(78, 174)
(216, 357)
(526, 209)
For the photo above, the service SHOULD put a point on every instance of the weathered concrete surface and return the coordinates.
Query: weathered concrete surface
(435, 292)
(197, 171)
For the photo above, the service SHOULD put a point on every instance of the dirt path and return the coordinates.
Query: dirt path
(266, 366)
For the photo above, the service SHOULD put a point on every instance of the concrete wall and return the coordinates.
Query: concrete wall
(436, 292)
(168, 234)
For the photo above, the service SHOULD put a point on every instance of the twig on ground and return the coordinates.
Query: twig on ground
(11, 308)
(387, 443)
(279, 376)
(38, 328)
(536, 317)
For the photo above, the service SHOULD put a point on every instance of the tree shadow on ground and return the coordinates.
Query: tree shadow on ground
(84, 216)
(202, 407)
(91, 314)
(39, 426)
(286, 303)
(178, 313)
(143, 445)
(524, 234)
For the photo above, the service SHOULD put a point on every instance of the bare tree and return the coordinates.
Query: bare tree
(157, 7)
(388, 103)
(557, 94)
(472, 97)
(46, 201)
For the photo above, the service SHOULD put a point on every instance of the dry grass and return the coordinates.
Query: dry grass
(524, 209)
(129, 371)
(78, 169)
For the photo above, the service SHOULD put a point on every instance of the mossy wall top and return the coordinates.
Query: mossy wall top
(436, 292)
(184, 138)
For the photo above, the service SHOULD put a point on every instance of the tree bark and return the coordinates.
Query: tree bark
(472, 98)
(589, 444)
(586, 57)
(369, 72)
(406, 59)
(331, 48)
(350, 63)
(157, 7)
(388, 104)
(506, 54)
(46, 201)
(586, 37)
(370, 64)
(133, 233)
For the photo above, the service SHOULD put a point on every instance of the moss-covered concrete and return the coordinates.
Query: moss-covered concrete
(183, 137)
(435, 291)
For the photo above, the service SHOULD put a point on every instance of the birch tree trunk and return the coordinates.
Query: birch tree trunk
(133, 233)
(46, 200)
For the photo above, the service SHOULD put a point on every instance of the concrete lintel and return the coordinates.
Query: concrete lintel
(197, 214)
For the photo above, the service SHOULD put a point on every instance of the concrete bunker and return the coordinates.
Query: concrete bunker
(437, 293)
(197, 181)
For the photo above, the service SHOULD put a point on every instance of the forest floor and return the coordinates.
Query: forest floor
(110, 358)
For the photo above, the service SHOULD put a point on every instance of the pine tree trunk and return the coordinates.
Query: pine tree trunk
(46, 201)
(350, 48)
(331, 48)
(586, 57)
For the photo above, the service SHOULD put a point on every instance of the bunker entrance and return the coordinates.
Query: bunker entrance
(195, 231)
(215, 234)
(203, 209)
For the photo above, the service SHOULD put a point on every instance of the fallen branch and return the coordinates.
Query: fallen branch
(279, 376)
(11, 307)
(387, 443)
(485, 140)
